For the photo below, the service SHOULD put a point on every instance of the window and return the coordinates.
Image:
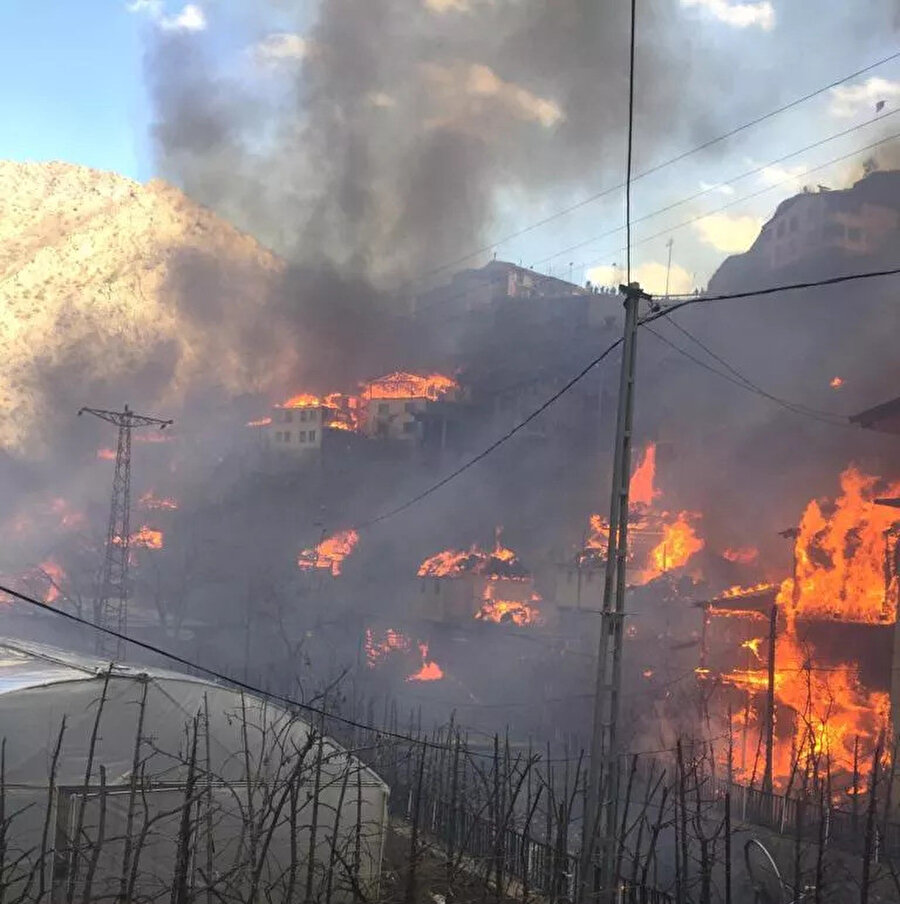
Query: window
(312, 436)
(409, 427)
(288, 416)
(409, 407)
(437, 587)
(303, 414)
(287, 436)
(302, 438)
(383, 408)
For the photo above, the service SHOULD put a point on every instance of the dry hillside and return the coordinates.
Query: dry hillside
(103, 278)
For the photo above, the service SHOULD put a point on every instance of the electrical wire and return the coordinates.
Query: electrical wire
(736, 201)
(746, 385)
(683, 155)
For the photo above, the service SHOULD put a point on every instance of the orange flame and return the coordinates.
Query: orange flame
(391, 642)
(302, 400)
(330, 553)
(840, 553)
(738, 591)
(429, 671)
(106, 454)
(753, 646)
(836, 382)
(404, 385)
(55, 575)
(501, 562)
(148, 537)
(516, 611)
(678, 545)
(641, 490)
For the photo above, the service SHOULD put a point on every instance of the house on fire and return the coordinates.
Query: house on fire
(457, 587)
(394, 404)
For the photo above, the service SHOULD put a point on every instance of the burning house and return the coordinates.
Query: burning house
(457, 587)
(394, 404)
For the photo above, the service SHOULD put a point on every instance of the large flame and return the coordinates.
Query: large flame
(404, 385)
(678, 544)
(840, 554)
(330, 553)
(840, 567)
(147, 537)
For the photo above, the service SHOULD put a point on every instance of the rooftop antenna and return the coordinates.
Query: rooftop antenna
(111, 601)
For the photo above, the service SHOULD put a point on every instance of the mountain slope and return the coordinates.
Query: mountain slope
(105, 282)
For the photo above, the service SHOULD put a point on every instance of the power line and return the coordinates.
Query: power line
(649, 318)
(498, 442)
(802, 408)
(744, 384)
(687, 199)
(657, 167)
(753, 293)
(742, 199)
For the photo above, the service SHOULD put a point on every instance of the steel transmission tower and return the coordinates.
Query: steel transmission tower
(111, 600)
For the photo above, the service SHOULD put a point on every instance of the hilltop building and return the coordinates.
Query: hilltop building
(860, 221)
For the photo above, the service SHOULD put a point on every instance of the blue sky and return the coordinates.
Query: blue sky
(71, 84)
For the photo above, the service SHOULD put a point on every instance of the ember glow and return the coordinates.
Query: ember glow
(330, 553)
(106, 454)
(836, 383)
(156, 503)
(743, 555)
(641, 489)
(429, 670)
(404, 385)
(516, 611)
(148, 537)
(378, 648)
(738, 591)
(262, 422)
(54, 575)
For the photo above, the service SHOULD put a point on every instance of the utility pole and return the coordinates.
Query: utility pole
(767, 782)
(601, 799)
(111, 600)
(669, 264)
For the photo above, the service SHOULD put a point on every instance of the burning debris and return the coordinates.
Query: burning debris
(500, 611)
(158, 503)
(391, 643)
(147, 537)
(499, 563)
(429, 670)
(744, 555)
(329, 554)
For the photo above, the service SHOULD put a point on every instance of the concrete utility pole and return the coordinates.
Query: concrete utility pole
(111, 601)
(601, 799)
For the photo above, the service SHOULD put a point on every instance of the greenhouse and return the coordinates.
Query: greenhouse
(134, 783)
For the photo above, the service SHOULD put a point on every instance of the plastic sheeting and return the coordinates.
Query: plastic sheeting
(208, 756)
